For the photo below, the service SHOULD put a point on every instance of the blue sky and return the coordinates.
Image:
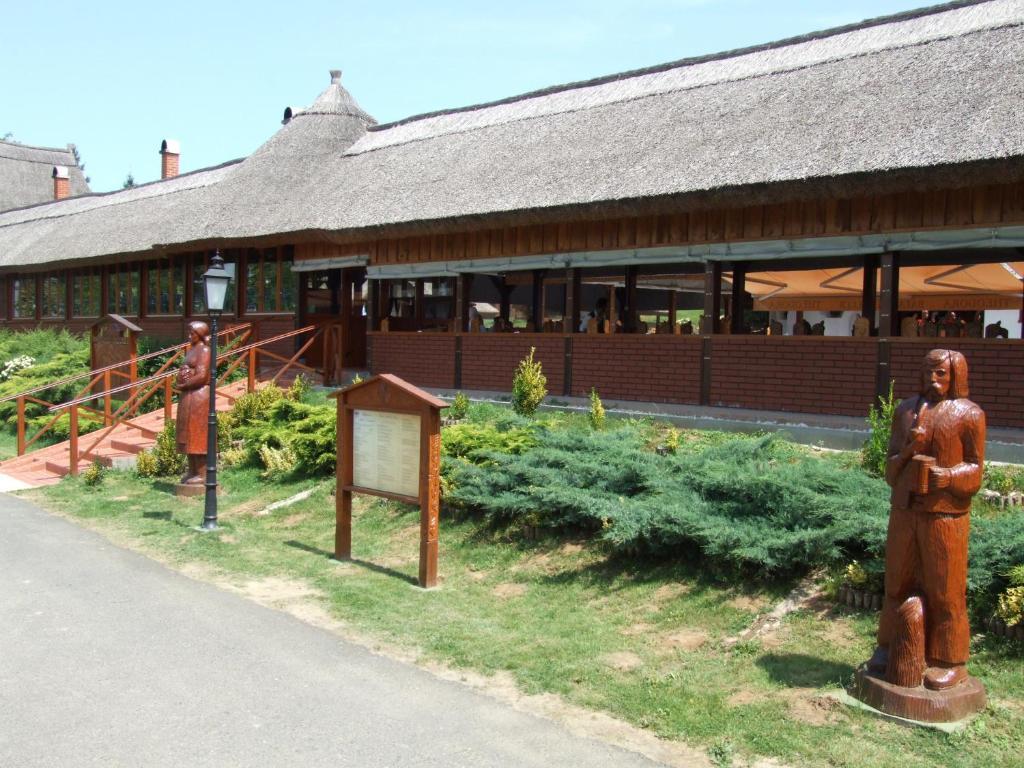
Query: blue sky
(117, 77)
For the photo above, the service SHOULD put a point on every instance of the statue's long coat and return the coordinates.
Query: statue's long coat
(194, 402)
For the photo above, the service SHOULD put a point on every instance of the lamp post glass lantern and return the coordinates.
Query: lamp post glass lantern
(215, 285)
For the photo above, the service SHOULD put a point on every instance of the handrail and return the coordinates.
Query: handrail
(147, 356)
(141, 383)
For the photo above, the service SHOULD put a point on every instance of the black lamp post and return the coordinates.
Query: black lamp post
(215, 283)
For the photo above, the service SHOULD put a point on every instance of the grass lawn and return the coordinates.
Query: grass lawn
(642, 642)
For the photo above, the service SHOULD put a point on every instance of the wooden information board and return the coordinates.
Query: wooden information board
(386, 451)
(389, 444)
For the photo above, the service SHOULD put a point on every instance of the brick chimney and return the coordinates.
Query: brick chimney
(170, 153)
(61, 182)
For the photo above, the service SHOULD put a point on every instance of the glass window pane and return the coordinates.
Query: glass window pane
(252, 284)
(289, 281)
(54, 296)
(24, 298)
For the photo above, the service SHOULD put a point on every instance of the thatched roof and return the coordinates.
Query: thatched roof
(915, 94)
(26, 174)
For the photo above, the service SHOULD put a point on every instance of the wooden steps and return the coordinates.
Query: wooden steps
(117, 449)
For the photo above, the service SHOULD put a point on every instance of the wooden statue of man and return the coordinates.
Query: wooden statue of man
(934, 466)
(194, 403)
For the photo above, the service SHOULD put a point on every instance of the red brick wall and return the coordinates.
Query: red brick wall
(995, 370)
(489, 360)
(424, 359)
(808, 374)
(661, 368)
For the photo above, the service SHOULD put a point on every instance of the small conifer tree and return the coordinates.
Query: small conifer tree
(597, 415)
(457, 410)
(529, 386)
(875, 451)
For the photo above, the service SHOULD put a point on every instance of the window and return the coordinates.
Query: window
(269, 282)
(85, 293)
(201, 263)
(53, 296)
(23, 298)
(123, 289)
(165, 287)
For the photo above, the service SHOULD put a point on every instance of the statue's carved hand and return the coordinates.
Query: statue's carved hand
(938, 477)
(917, 442)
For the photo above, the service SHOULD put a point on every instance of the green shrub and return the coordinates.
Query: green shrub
(875, 452)
(1004, 480)
(672, 436)
(299, 388)
(529, 386)
(279, 462)
(308, 431)
(93, 476)
(146, 465)
(597, 414)
(755, 505)
(168, 461)
(253, 406)
(459, 407)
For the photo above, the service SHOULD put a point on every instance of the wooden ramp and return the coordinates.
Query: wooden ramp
(48, 465)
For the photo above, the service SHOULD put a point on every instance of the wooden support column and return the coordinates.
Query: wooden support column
(418, 308)
(631, 318)
(537, 313)
(868, 294)
(888, 319)
(613, 311)
(712, 297)
(463, 288)
(573, 296)
(372, 305)
(346, 295)
(672, 311)
(889, 315)
(739, 287)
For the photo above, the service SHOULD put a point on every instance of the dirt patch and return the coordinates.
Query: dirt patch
(743, 698)
(839, 633)
(540, 562)
(639, 629)
(683, 640)
(507, 591)
(275, 591)
(624, 661)
(753, 603)
(250, 507)
(120, 498)
(668, 592)
(570, 548)
(478, 575)
(295, 519)
(807, 706)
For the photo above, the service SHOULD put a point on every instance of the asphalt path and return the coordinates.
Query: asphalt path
(110, 659)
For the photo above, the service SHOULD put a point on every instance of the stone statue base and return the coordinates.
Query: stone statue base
(919, 703)
(189, 489)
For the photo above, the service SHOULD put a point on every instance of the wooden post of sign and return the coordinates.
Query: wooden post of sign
(395, 428)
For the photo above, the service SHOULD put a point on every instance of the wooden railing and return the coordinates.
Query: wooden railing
(141, 391)
(102, 410)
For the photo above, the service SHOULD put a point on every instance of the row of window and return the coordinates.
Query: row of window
(269, 286)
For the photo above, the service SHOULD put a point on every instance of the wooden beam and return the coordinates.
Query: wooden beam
(888, 318)
(739, 283)
(672, 311)
(418, 309)
(870, 289)
(630, 317)
(373, 304)
(573, 292)
(538, 300)
(463, 288)
(712, 297)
